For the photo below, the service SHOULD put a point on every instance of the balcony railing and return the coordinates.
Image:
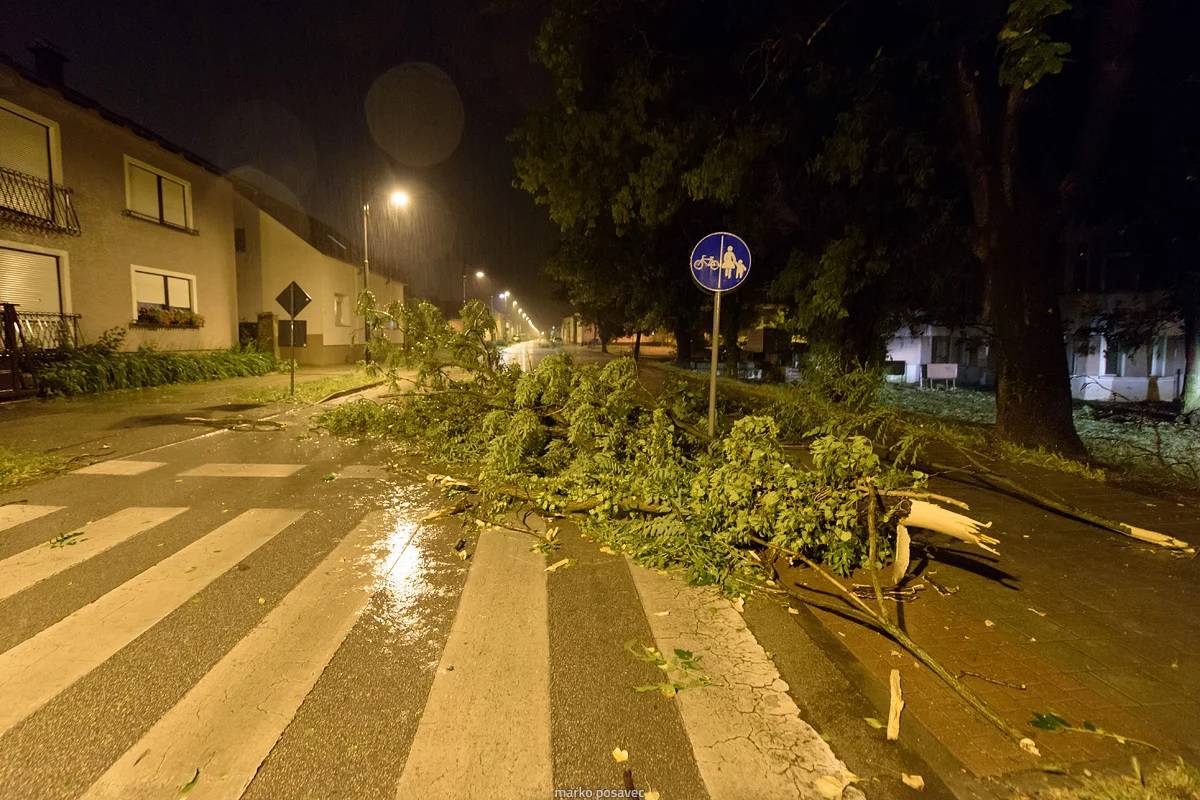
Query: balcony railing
(38, 330)
(29, 201)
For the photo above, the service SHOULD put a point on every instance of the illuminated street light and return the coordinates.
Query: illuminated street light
(479, 275)
(398, 198)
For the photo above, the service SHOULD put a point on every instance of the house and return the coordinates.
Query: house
(1114, 286)
(936, 355)
(1116, 278)
(103, 224)
(276, 244)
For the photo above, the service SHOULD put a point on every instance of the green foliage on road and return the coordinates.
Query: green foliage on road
(102, 367)
(591, 441)
(18, 466)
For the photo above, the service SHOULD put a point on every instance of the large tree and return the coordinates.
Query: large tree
(885, 158)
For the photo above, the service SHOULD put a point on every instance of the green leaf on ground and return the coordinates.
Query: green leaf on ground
(187, 787)
(66, 540)
(1049, 721)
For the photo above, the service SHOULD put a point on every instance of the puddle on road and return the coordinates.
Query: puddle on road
(407, 598)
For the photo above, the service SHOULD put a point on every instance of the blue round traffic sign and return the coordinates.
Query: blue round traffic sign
(720, 262)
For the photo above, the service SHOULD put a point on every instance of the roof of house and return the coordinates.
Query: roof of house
(83, 101)
(322, 236)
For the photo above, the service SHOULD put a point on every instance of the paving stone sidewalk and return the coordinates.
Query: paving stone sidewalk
(1094, 626)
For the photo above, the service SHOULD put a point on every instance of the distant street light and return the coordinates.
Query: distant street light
(399, 199)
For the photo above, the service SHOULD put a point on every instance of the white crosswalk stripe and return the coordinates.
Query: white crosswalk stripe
(227, 723)
(15, 514)
(31, 566)
(42, 666)
(118, 467)
(745, 729)
(496, 663)
(242, 471)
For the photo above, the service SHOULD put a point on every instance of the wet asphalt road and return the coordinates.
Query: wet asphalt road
(292, 628)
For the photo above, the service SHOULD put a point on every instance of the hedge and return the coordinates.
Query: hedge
(89, 370)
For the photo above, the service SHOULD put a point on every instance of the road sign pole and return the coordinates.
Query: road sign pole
(712, 377)
(718, 272)
(292, 339)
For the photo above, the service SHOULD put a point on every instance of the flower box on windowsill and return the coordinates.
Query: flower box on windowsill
(168, 318)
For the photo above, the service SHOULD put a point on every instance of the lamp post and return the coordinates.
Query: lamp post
(479, 275)
(397, 199)
(492, 299)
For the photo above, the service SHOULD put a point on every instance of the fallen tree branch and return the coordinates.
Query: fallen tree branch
(940, 520)
(999, 483)
(901, 638)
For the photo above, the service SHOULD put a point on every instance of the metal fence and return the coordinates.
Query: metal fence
(38, 330)
(29, 201)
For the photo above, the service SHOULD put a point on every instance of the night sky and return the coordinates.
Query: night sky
(276, 91)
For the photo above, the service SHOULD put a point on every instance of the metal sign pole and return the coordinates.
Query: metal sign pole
(718, 272)
(292, 325)
(712, 377)
(292, 337)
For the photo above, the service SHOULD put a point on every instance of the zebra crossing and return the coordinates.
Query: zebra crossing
(122, 467)
(483, 716)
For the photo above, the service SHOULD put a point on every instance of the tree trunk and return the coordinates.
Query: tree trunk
(603, 344)
(637, 345)
(1033, 390)
(1016, 235)
(1191, 370)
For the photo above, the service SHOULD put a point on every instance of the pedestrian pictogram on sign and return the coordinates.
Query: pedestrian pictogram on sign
(720, 262)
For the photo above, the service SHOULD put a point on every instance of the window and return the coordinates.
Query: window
(1081, 347)
(1113, 357)
(340, 313)
(30, 162)
(941, 350)
(1158, 356)
(154, 289)
(157, 196)
(26, 144)
(32, 279)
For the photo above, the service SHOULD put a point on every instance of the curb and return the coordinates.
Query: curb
(347, 392)
(914, 734)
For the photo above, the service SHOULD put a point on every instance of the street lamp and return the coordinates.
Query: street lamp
(398, 198)
(479, 275)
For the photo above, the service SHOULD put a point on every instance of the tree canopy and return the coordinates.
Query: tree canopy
(888, 161)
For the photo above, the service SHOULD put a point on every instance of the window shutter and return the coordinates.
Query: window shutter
(30, 280)
(149, 289)
(174, 207)
(143, 192)
(179, 292)
(24, 145)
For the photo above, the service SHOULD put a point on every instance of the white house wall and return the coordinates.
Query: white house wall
(274, 256)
